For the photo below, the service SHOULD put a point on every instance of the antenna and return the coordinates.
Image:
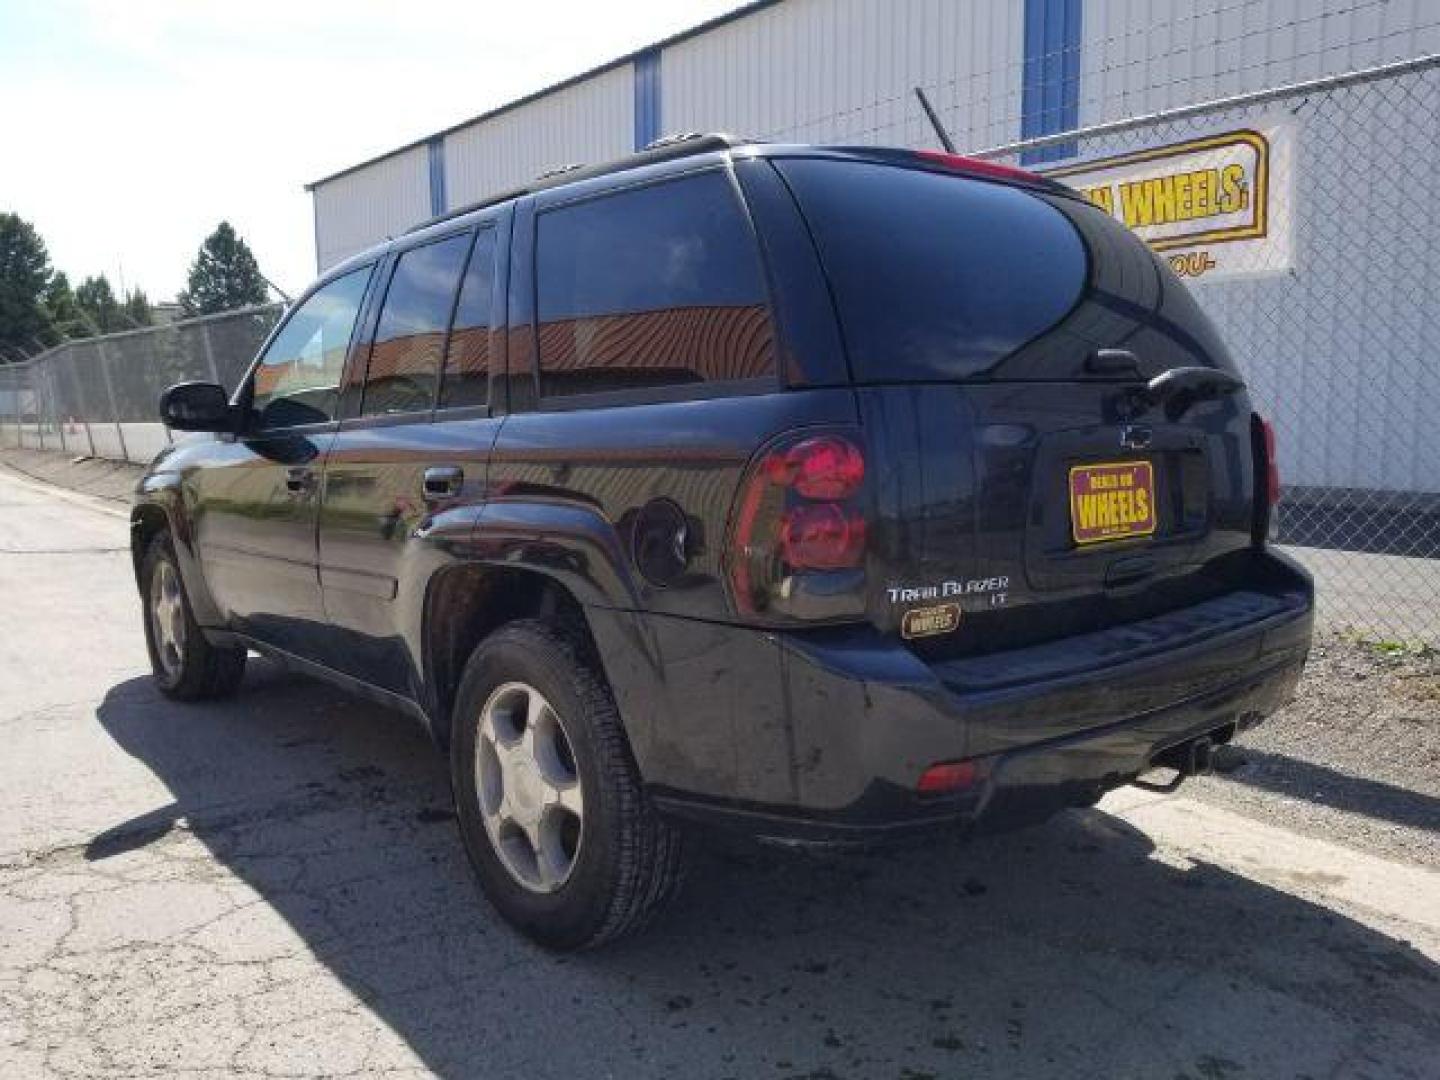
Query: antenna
(935, 121)
(283, 294)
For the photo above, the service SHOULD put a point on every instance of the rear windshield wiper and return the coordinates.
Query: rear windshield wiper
(1181, 387)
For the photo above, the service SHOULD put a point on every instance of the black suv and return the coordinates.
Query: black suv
(830, 494)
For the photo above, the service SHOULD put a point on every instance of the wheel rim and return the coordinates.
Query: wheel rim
(529, 788)
(167, 618)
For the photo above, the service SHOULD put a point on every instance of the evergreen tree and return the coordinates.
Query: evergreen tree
(224, 276)
(136, 309)
(96, 299)
(25, 323)
(65, 313)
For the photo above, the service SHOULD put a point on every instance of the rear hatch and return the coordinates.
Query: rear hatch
(1029, 480)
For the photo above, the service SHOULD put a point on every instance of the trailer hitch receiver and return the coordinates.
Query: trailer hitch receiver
(1193, 758)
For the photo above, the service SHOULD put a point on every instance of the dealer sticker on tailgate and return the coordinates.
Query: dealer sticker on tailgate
(1111, 501)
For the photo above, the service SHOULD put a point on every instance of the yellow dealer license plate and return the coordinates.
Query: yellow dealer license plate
(1111, 501)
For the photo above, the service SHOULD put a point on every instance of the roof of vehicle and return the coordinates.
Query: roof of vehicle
(662, 150)
(681, 148)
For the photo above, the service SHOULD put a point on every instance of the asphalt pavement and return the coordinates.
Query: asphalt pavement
(273, 886)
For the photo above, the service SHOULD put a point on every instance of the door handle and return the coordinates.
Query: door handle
(442, 481)
(299, 480)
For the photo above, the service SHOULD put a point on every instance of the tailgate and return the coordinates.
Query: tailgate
(1006, 345)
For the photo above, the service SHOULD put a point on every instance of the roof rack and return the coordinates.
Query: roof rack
(673, 139)
(668, 148)
(559, 170)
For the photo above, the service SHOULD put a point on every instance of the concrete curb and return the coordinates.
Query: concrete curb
(113, 481)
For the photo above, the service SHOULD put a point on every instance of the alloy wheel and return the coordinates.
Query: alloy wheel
(167, 618)
(530, 791)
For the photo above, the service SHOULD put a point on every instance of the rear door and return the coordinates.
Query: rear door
(415, 445)
(1000, 339)
(644, 372)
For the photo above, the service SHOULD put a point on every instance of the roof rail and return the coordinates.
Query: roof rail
(559, 170)
(666, 149)
(673, 139)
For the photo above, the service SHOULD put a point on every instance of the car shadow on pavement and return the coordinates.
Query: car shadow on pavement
(1074, 949)
(1282, 774)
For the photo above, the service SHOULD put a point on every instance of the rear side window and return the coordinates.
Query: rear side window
(405, 360)
(935, 277)
(466, 380)
(653, 287)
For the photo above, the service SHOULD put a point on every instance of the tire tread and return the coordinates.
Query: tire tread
(210, 671)
(650, 853)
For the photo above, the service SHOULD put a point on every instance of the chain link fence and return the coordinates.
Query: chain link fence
(98, 396)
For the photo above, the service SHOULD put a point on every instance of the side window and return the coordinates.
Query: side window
(297, 380)
(466, 380)
(405, 359)
(657, 286)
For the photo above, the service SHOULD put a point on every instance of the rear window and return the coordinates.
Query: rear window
(466, 380)
(405, 359)
(936, 277)
(652, 287)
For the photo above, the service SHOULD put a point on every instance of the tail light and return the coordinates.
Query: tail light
(1272, 466)
(797, 543)
(950, 778)
(980, 167)
(1267, 477)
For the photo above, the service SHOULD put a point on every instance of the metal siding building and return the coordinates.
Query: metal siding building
(364, 206)
(591, 120)
(826, 70)
(843, 70)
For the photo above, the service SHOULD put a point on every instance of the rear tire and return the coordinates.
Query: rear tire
(563, 840)
(185, 666)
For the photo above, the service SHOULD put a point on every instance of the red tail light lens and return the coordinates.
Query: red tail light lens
(1266, 524)
(823, 467)
(949, 778)
(1272, 467)
(797, 543)
(977, 167)
(822, 537)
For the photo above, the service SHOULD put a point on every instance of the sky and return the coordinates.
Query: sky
(132, 127)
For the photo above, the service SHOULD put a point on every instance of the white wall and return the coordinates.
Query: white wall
(844, 70)
(363, 207)
(590, 122)
(142, 441)
(1142, 56)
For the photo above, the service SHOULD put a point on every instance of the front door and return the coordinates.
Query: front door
(416, 451)
(255, 504)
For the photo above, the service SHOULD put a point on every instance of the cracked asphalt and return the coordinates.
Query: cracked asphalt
(273, 887)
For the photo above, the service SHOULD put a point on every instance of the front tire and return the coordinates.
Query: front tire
(562, 838)
(185, 666)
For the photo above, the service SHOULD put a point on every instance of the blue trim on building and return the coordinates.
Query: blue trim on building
(1050, 90)
(647, 97)
(436, 148)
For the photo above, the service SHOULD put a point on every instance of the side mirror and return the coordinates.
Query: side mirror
(197, 406)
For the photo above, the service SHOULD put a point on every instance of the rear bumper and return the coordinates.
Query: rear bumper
(1050, 725)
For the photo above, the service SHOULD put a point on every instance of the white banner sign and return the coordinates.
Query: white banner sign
(1216, 206)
